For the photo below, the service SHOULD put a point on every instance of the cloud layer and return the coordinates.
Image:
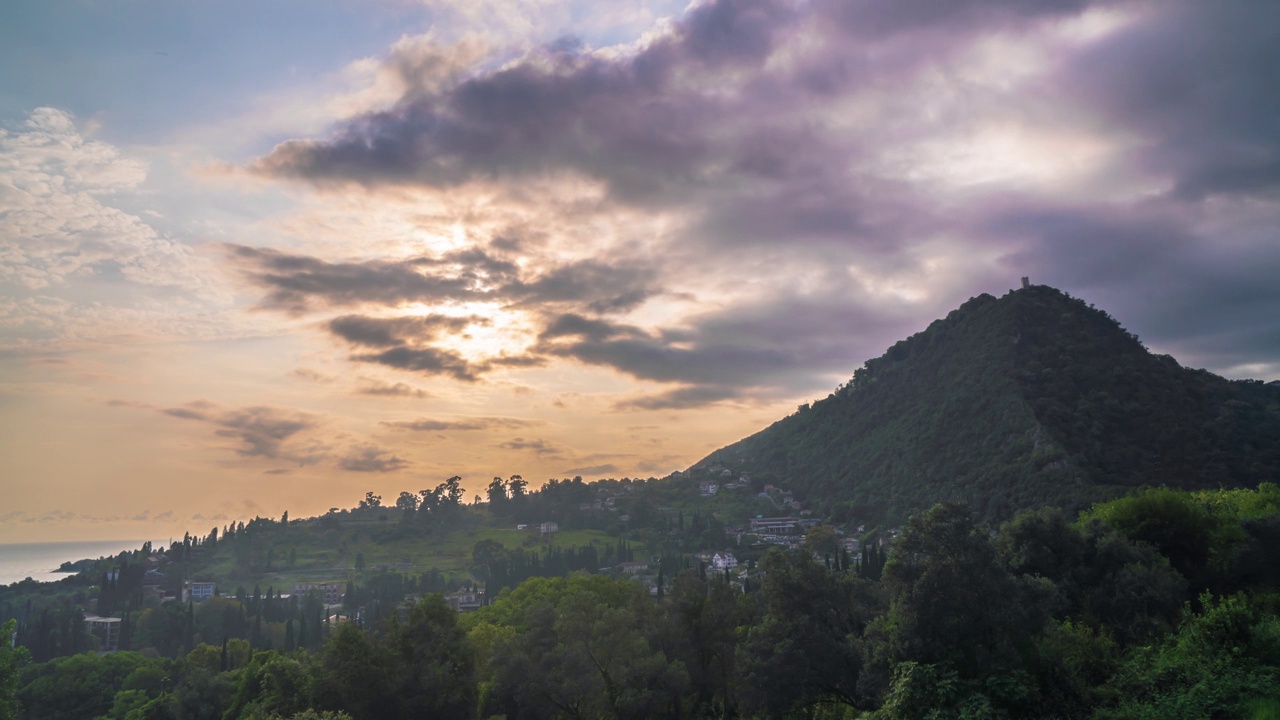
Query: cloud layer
(833, 175)
(73, 266)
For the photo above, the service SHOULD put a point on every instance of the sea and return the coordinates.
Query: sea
(40, 561)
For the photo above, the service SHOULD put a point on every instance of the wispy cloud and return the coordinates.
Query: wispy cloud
(536, 446)
(371, 459)
(261, 431)
(462, 424)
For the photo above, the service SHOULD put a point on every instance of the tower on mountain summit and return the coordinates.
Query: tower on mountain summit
(1026, 282)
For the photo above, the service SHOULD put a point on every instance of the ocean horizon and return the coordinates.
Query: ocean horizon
(40, 561)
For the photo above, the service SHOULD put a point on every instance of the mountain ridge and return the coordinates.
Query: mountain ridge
(1035, 398)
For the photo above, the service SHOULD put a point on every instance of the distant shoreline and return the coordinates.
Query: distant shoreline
(53, 561)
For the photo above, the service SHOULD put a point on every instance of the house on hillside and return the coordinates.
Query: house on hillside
(331, 593)
(198, 590)
(773, 526)
(105, 629)
(549, 527)
(465, 601)
(706, 488)
(723, 560)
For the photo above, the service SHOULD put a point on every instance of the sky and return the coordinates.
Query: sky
(266, 257)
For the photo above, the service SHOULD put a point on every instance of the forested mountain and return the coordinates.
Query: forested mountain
(1032, 399)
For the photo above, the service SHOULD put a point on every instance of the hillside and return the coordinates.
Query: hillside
(1035, 398)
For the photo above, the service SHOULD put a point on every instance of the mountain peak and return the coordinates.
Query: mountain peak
(1034, 398)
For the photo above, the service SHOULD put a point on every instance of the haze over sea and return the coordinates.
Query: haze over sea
(40, 561)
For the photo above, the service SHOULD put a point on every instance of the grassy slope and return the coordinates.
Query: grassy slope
(327, 552)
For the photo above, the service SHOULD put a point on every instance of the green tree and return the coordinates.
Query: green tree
(1221, 662)
(407, 502)
(496, 493)
(356, 676)
(821, 540)
(76, 686)
(434, 665)
(702, 634)
(11, 661)
(274, 684)
(582, 646)
(955, 611)
(807, 649)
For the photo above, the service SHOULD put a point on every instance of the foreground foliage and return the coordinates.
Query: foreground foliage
(1150, 606)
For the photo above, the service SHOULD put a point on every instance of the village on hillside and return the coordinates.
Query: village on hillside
(708, 519)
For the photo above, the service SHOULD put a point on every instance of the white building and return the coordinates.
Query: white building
(722, 560)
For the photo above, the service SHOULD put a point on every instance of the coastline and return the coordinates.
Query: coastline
(41, 561)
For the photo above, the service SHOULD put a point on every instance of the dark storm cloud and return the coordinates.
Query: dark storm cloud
(617, 119)
(727, 354)
(873, 19)
(631, 120)
(261, 430)
(1197, 81)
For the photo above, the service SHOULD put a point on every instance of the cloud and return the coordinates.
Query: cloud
(74, 265)
(425, 360)
(381, 389)
(390, 332)
(371, 459)
(537, 446)
(467, 424)
(1193, 80)
(606, 469)
(312, 375)
(262, 431)
(679, 398)
(630, 120)
(298, 283)
(775, 192)
(294, 282)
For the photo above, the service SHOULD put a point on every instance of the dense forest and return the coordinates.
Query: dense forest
(1161, 604)
(1008, 404)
